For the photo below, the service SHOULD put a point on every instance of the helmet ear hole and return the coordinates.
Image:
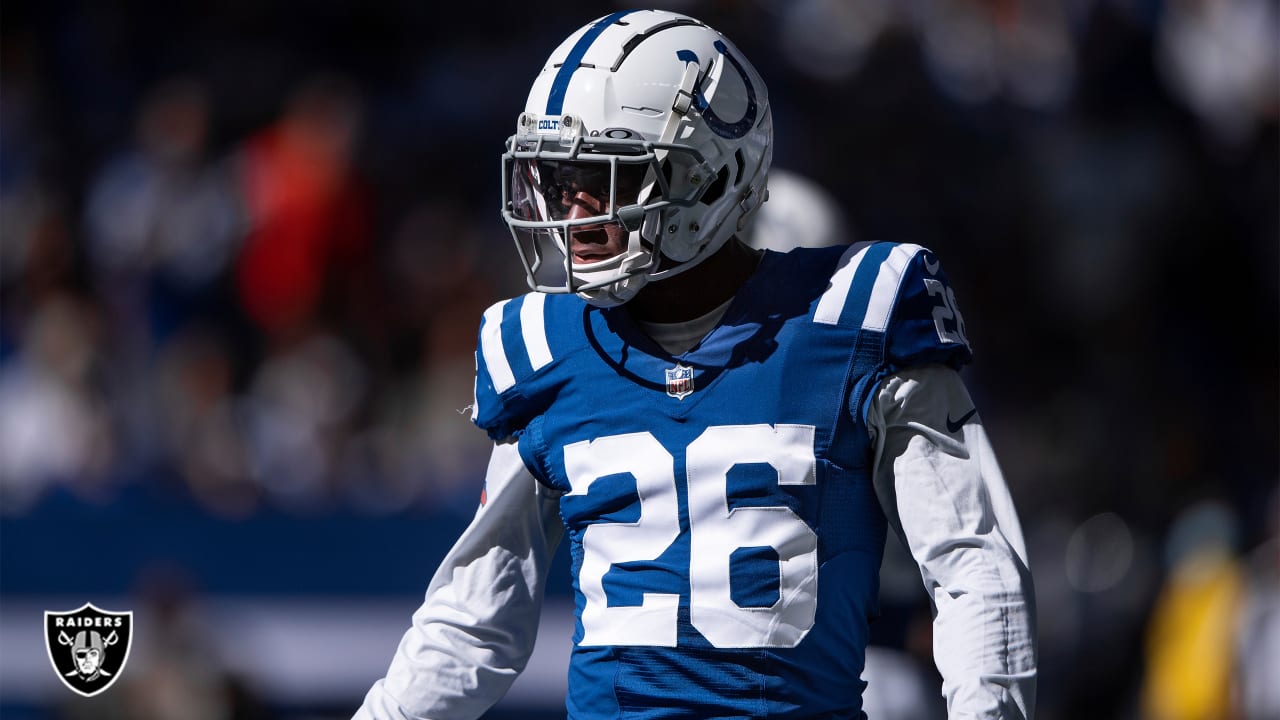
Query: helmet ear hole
(717, 186)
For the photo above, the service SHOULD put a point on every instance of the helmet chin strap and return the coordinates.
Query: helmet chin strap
(634, 265)
(616, 292)
(611, 296)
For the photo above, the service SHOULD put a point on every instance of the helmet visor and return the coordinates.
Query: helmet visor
(582, 190)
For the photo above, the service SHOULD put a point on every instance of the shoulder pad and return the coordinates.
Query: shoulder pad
(513, 348)
(897, 292)
(923, 324)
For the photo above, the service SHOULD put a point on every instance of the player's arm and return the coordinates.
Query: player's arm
(942, 490)
(476, 628)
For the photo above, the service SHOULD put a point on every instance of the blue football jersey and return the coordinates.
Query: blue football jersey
(725, 535)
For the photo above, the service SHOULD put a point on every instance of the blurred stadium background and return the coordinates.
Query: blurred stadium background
(245, 247)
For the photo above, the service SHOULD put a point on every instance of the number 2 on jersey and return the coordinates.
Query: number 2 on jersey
(946, 312)
(715, 532)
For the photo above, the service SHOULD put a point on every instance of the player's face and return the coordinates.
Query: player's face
(579, 190)
(593, 243)
(87, 660)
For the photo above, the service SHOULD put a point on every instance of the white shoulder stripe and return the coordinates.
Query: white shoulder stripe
(495, 356)
(885, 291)
(831, 304)
(533, 327)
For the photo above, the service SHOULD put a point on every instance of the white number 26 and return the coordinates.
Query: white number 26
(715, 533)
(946, 312)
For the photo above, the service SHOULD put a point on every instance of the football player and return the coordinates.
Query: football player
(723, 434)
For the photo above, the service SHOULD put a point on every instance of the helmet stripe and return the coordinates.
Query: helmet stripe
(559, 86)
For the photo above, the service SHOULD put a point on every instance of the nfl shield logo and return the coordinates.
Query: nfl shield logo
(88, 647)
(679, 381)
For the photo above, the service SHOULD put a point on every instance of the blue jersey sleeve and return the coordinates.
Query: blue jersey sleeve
(524, 343)
(512, 350)
(925, 324)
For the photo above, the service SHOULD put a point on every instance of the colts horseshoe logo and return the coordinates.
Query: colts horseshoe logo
(734, 130)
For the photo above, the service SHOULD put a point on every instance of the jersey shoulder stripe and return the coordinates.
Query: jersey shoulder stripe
(865, 285)
(493, 350)
(533, 328)
(884, 293)
(831, 303)
(520, 340)
(513, 339)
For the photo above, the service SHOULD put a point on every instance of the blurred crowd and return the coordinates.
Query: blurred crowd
(244, 251)
(244, 320)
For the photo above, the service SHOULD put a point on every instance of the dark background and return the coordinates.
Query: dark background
(246, 246)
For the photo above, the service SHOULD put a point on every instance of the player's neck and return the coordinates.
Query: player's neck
(698, 290)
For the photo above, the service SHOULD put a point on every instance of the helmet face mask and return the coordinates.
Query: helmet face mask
(548, 190)
(623, 145)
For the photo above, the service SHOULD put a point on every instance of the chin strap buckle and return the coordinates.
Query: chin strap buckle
(684, 94)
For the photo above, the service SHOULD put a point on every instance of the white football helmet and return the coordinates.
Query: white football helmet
(665, 123)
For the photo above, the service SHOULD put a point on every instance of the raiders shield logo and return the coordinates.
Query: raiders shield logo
(679, 381)
(88, 647)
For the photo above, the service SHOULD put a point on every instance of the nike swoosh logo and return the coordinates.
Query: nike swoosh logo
(954, 426)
